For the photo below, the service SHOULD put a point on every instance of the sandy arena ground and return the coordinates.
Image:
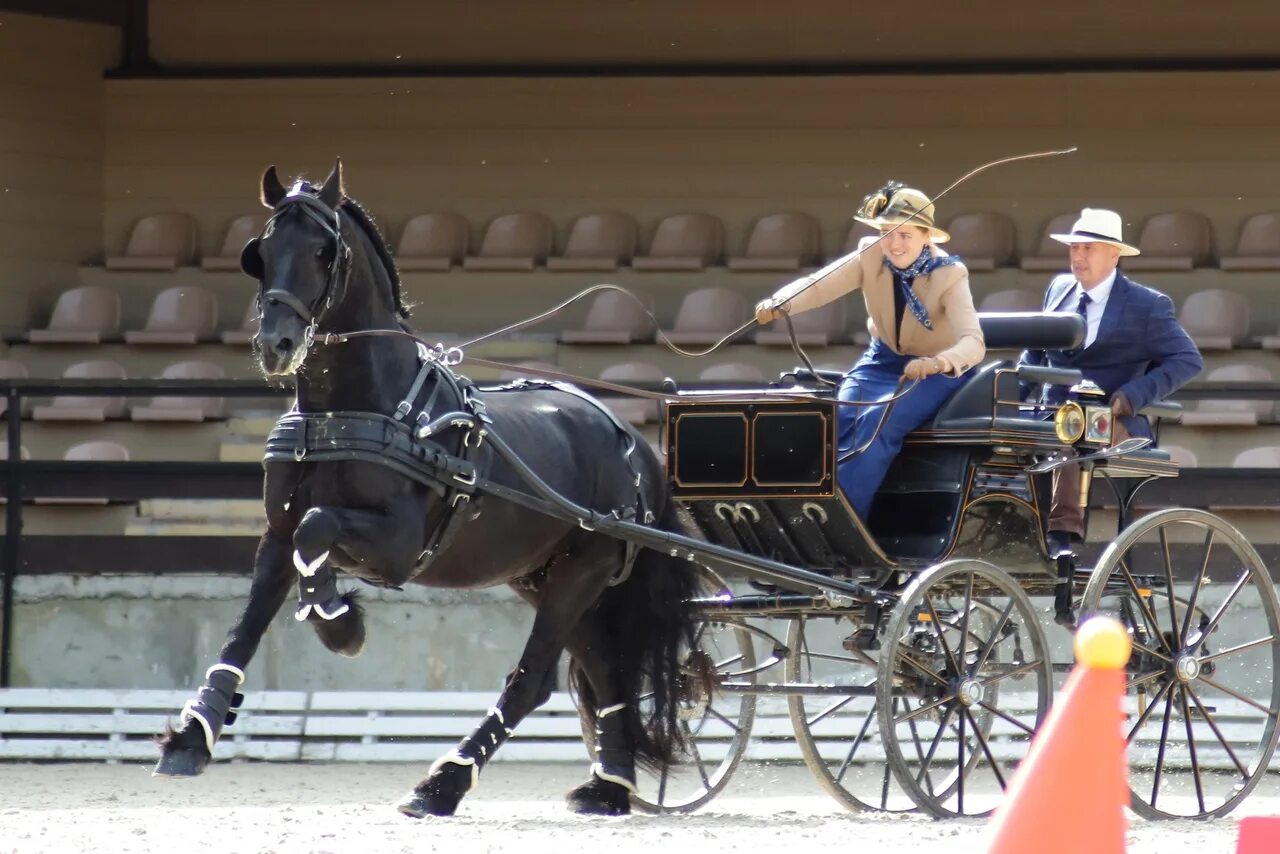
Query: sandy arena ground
(243, 807)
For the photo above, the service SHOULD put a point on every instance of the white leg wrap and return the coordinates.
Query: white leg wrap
(308, 569)
(190, 713)
(453, 757)
(598, 771)
(604, 713)
(305, 611)
(230, 668)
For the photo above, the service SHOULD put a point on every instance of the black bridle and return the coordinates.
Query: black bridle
(339, 267)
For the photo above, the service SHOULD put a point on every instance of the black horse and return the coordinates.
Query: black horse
(372, 474)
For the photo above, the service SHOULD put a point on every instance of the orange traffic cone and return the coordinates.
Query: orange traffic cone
(1259, 835)
(1077, 764)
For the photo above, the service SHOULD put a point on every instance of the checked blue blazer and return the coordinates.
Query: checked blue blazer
(1141, 349)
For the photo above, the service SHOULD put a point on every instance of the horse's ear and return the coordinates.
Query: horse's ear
(251, 259)
(273, 191)
(332, 192)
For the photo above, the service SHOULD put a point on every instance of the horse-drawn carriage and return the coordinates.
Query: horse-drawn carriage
(916, 673)
(915, 661)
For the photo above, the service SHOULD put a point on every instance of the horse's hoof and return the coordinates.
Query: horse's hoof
(181, 763)
(441, 792)
(599, 797)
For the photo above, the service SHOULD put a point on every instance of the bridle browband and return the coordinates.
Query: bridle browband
(339, 266)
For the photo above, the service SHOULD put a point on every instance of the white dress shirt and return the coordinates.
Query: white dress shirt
(1098, 295)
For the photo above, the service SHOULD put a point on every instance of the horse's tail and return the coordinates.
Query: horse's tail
(650, 623)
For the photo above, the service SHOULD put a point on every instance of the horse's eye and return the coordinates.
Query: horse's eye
(320, 252)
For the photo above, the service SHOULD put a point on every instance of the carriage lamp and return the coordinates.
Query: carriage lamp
(1069, 423)
(1098, 425)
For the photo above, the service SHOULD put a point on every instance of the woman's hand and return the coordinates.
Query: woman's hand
(918, 369)
(767, 311)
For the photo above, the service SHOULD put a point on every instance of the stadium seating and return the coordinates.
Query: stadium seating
(248, 327)
(614, 318)
(433, 242)
(598, 242)
(818, 327)
(1263, 457)
(984, 240)
(688, 242)
(706, 315)
(857, 231)
(632, 409)
(1215, 319)
(1259, 246)
(91, 451)
(181, 315)
(86, 315)
(513, 242)
(163, 241)
(1184, 457)
(165, 408)
(239, 232)
(1050, 255)
(11, 370)
(1231, 413)
(1012, 300)
(780, 242)
(1177, 240)
(83, 408)
(730, 372)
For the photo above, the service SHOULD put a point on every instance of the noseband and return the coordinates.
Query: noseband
(339, 269)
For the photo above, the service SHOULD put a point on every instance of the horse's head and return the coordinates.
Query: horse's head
(302, 263)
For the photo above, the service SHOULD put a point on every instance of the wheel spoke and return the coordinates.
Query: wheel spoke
(1020, 669)
(1142, 647)
(910, 658)
(1168, 575)
(1241, 697)
(853, 749)
(942, 636)
(1239, 648)
(721, 665)
(964, 624)
(697, 757)
(730, 724)
(915, 713)
(1244, 772)
(1009, 718)
(1191, 747)
(1226, 603)
(986, 748)
(830, 710)
(1143, 679)
(1152, 623)
(1195, 591)
(842, 659)
(995, 634)
(662, 784)
(960, 767)
(1146, 713)
(1164, 741)
(923, 775)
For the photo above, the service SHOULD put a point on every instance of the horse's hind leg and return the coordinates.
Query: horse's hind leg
(603, 702)
(186, 751)
(571, 586)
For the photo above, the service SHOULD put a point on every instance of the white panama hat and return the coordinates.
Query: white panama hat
(1097, 225)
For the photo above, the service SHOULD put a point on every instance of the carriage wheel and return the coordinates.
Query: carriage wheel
(1202, 693)
(838, 734)
(717, 725)
(964, 680)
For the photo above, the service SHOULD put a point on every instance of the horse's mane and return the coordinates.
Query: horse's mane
(362, 219)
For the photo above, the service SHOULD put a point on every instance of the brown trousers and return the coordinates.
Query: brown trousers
(1065, 512)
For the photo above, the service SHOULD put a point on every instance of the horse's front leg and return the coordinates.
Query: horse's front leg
(186, 751)
(388, 543)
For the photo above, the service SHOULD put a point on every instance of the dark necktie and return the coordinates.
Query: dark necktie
(1082, 309)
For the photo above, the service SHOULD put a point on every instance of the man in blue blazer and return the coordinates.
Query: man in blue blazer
(1134, 348)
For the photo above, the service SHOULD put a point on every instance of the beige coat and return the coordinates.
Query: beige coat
(956, 334)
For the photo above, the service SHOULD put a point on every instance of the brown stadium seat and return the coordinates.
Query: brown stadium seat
(1262, 457)
(183, 315)
(1216, 319)
(614, 318)
(241, 231)
(707, 315)
(688, 242)
(984, 240)
(23, 453)
(163, 241)
(248, 327)
(1231, 413)
(635, 410)
(433, 242)
(86, 315)
(11, 370)
(79, 407)
(733, 372)
(598, 242)
(97, 451)
(818, 327)
(1178, 240)
(780, 242)
(1051, 256)
(513, 242)
(1185, 457)
(857, 231)
(163, 408)
(1259, 245)
(1012, 300)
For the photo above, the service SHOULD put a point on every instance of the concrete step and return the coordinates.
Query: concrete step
(195, 509)
(242, 449)
(256, 423)
(192, 528)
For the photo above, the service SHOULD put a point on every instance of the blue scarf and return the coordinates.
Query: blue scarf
(904, 279)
